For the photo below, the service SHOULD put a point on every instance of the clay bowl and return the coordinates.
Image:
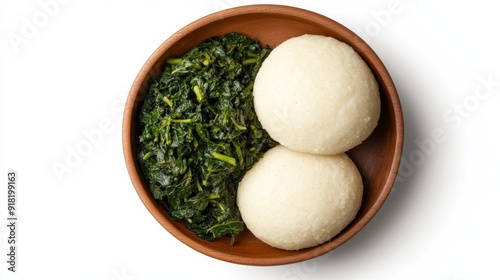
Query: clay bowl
(377, 158)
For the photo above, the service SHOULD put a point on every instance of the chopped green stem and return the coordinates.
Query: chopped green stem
(221, 207)
(195, 143)
(147, 155)
(181, 121)
(226, 224)
(224, 158)
(238, 126)
(176, 61)
(206, 62)
(248, 88)
(168, 101)
(167, 133)
(249, 61)
(166, 123)
(198, 185)
(199, 94)
(214, 196)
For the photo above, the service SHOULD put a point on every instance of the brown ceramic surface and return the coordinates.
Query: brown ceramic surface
(377, 158)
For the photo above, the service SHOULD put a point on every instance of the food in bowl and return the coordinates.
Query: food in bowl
(199, 133)
(317, 97)
(316, 94)
(377, 157)
(293, 200)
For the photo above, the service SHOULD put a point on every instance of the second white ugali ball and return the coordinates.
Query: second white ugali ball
(316, 94)
(293, 200)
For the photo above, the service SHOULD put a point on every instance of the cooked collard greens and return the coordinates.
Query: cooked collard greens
(199, 133)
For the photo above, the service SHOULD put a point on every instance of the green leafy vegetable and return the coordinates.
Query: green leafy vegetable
(199, 133)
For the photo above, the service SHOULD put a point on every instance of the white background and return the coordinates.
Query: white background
(66, 68)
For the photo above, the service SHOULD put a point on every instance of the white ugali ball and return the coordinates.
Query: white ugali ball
(316, 94)
(293, 200)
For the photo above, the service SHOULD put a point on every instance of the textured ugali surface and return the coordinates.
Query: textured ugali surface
(316, 94)
(293, 200)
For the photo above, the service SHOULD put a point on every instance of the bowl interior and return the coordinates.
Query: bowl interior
(377, 157)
